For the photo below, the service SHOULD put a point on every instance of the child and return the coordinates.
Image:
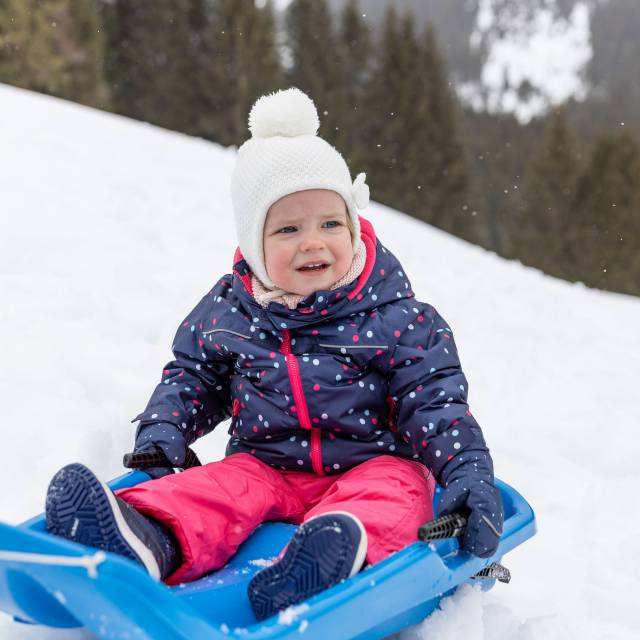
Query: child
(345, 393)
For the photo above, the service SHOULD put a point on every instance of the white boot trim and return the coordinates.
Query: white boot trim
(361, 552)
(141, 550)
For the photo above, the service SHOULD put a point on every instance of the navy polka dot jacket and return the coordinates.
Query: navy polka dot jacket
(358, 372)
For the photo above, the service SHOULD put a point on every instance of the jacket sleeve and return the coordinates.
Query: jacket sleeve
(193, 394)
(429, 393)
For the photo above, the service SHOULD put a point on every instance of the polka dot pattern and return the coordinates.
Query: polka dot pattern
(361, 371)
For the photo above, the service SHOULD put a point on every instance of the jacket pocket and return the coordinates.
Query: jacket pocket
(345, 348)
(233, 333)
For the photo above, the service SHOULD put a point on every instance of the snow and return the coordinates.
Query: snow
(279, 5)
(263, 562)
(291, 614)
(112, 230)
(529, 44)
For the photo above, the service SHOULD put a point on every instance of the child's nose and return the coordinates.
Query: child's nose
(311, 242)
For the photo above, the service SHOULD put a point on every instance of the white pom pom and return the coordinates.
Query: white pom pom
(284, 113)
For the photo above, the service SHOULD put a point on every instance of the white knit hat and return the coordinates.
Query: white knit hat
(284, 155)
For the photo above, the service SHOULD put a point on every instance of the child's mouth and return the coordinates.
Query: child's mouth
(313, 268)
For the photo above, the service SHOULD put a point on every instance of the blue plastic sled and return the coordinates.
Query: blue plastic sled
(50, 581)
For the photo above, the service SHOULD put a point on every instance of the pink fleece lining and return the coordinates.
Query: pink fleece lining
(368, 237)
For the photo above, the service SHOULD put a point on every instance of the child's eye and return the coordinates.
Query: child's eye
(331, 224)
(288, 229)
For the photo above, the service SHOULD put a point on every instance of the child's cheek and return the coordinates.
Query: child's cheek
(277, 264)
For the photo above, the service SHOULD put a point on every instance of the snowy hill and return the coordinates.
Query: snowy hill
(112, 230)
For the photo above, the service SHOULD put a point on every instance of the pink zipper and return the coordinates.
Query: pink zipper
(316, 451)
(301, 403)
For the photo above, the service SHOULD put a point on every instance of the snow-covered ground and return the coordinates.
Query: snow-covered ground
(111, 230)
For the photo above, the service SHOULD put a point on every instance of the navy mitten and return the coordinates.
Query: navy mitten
(469, 489)
(166, 437)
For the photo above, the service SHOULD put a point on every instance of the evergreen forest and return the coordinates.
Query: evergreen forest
(561, 193)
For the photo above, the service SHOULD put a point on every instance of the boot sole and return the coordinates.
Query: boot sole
(321, 554)
(81, 508)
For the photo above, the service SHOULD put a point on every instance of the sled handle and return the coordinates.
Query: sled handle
(450, 526)
(155, 458)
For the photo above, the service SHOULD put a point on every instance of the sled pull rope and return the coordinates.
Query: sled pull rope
(450, 526)
(90, 563)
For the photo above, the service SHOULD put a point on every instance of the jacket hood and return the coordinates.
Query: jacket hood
(382, 281)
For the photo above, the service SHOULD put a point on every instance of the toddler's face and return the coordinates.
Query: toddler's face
(307, 243)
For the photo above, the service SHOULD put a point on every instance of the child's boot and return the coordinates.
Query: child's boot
(324, 551)
(81, 508)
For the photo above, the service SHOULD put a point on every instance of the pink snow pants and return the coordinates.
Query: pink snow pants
(213, 509)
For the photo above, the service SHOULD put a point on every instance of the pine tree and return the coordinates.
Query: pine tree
(150, 62)
(354, 52)
(239, 62)
(436, 157)
(606, 245)
(265, 68)
(80, 41)
(54, 47)
(315, 67)
(406, 124)
(28, 56)
(417, 160)
(389, 110)
(542, 225)
(14, 39)
(498, 152)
